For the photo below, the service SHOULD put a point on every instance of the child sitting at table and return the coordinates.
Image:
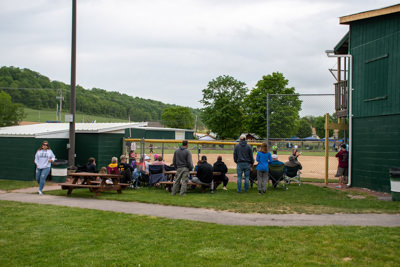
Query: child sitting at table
(112, 168)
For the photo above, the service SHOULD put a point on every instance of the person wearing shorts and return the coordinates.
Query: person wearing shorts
(342, 171)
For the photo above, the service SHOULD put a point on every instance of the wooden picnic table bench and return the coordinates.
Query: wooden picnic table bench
(89, 181)
(168, 184)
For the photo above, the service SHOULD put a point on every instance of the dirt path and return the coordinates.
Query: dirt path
(313, 166)
(207, 215)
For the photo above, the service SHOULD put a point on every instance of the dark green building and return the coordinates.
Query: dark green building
(373, 41)
(18, 144)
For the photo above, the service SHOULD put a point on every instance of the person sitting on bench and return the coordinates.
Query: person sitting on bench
(204, 172)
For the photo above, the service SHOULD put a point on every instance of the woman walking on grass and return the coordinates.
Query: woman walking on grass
(43, 159)
(263, 158)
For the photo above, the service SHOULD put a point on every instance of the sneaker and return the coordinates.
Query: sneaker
(259, 192)
(224, 188)
(40, 193)
(182, 195)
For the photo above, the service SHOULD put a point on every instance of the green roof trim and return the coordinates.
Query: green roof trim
(342, 46)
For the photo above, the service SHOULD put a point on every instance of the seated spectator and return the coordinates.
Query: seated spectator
(293, 163)
(219, 166)
(156, 157)
(125, 169)
(204, 172)
(147, 164)
(275, 161)
(159, 161)
(133, 162)
(112, 168)
(91, 165)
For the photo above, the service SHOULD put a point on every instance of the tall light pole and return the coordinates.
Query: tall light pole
(72, 106)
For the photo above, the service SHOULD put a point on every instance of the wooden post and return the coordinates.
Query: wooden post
(326, 147)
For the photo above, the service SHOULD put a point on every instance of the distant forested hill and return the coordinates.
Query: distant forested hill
(39, 92)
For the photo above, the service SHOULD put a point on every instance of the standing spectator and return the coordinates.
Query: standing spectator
(254, 148)
(43, 159)
(182, 162)
(263, 158)
(275, 149)
(220, 166)
(91, 165)
(342, 170)
(112, 168)
(243, 157)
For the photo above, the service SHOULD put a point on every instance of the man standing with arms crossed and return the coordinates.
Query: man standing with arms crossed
(182, 162)
(243, 157)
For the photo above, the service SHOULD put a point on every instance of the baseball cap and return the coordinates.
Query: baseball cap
(274, 156)
(146, 158)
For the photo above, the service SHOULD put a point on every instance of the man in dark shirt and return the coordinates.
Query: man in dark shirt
(182, 162)
(243, 157)
(204, 172)
(125, 170)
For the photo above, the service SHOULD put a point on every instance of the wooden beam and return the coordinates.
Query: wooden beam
(338, 126)
(370, 14)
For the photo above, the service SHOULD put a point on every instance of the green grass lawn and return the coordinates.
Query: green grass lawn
(297, 199)
(50, 115)
(13, 184)
(45, 235)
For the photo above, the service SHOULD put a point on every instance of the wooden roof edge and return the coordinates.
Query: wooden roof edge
(369, 14)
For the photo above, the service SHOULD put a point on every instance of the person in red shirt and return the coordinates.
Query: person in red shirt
(342, 171)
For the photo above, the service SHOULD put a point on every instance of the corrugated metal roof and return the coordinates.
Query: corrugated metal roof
(53, 128)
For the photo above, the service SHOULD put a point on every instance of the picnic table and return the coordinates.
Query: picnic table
(171, 174)
(88, 180)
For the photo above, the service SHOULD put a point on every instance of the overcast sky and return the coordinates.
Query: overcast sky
(170, 50)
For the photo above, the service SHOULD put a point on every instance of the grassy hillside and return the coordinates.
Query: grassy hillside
(50, 115)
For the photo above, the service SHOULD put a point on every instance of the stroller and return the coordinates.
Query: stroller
(277, 175)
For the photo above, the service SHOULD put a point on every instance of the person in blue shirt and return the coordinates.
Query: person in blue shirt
(263, 158)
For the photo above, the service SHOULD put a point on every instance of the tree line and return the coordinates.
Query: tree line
(36, 91)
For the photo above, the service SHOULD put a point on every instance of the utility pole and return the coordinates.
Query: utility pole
(267, 141)
(61, 98)
(71, 152)
(195, 127)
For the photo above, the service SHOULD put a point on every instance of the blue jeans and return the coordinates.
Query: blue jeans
(240, 168)
(41, 175)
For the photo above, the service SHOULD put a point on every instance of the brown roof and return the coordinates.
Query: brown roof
(370, 14)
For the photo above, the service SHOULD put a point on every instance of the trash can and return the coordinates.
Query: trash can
(59, 170)
(395, 183)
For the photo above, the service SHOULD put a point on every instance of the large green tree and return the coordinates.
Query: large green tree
(178, 117)
(284, 109)
(10, 113)
(304, 128)
(223, 111)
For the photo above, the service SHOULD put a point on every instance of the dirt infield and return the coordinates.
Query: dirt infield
(313, 166)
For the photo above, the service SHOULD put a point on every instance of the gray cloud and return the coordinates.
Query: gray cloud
(170, 50)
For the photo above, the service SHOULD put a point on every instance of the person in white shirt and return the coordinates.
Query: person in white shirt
(43, 159)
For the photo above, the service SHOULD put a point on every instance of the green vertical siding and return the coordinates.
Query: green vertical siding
(86, 146)
(376, 149)
(110, 145)
(154, 134)
(375, 46)
(17, 156)
(189, 135)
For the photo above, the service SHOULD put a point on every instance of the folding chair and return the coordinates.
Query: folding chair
(292, 174)
(276, 174)
(156, 174)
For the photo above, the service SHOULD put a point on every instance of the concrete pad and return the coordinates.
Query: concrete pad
(211, 216)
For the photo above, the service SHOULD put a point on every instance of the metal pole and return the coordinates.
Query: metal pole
(71, 152)
(267, 138)
(326, 148)
(162, 151)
